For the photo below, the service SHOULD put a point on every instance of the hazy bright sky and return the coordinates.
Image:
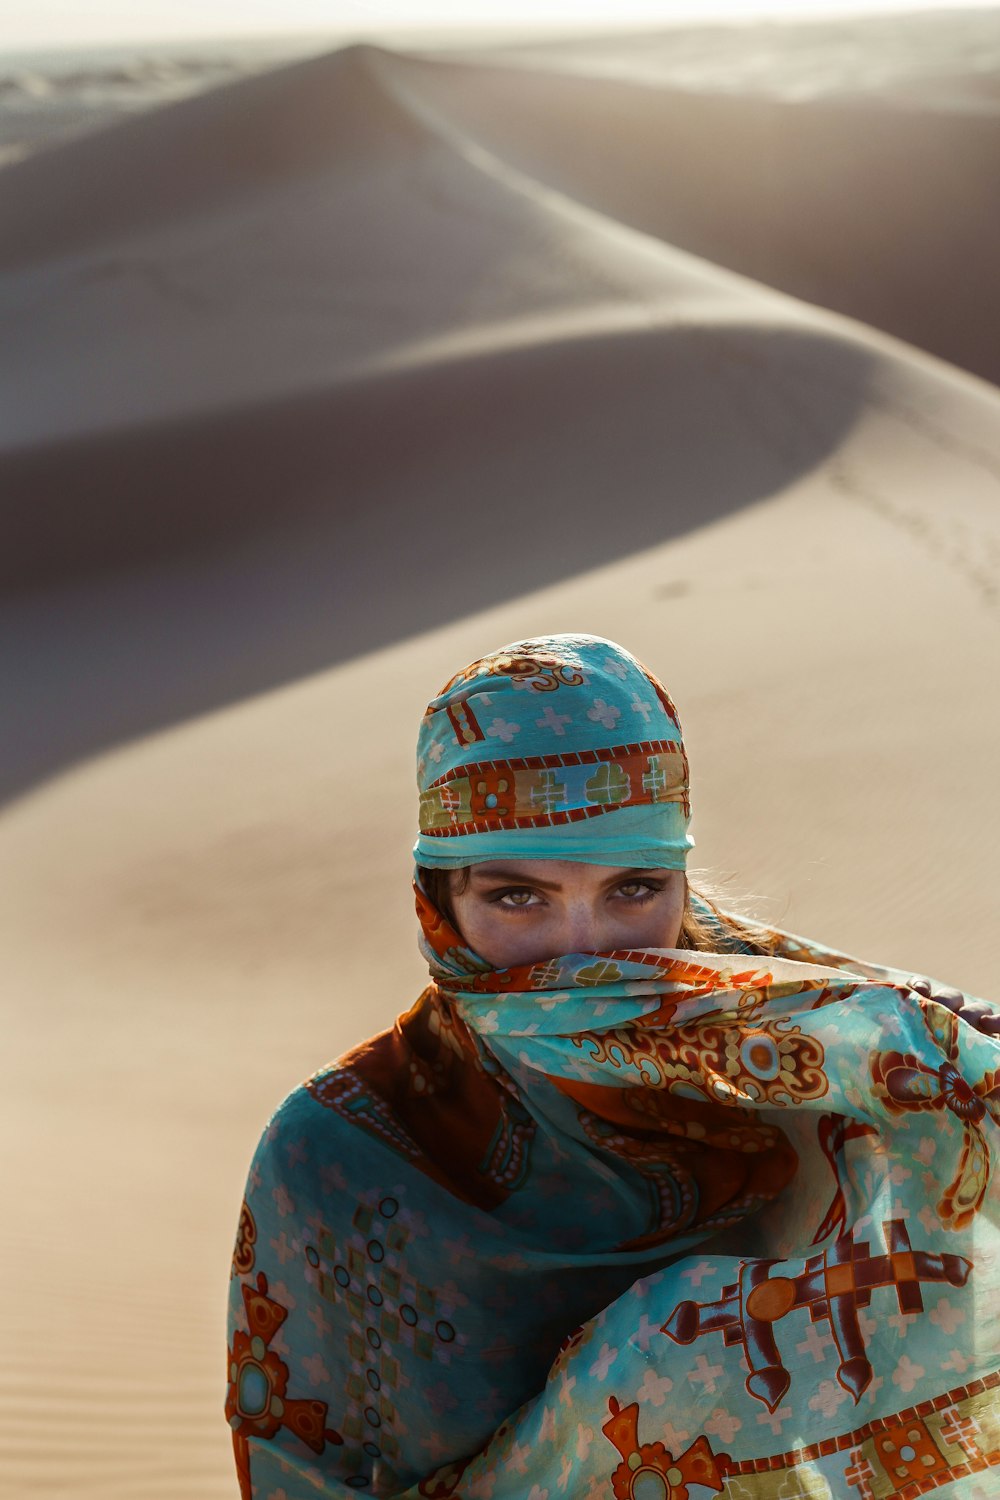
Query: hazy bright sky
(26, 23)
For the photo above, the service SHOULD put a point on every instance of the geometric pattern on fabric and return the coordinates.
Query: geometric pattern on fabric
(543, 736)
(388, 1312)
(257, 1404)
(910, 1453)
(831, 1287)
(546, 790)
(906, 1083)
(630, 1225)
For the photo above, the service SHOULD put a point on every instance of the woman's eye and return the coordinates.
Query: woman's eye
(638, 890)
(516, 898)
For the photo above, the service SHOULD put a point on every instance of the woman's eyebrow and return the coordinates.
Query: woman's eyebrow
(626, 877)
(504, 873)
(513, 877)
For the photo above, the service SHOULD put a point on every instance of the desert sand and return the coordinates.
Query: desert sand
(318, 386)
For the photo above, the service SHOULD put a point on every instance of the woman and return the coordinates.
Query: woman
(637, 1200)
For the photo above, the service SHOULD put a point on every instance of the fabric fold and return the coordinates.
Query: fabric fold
(631, 1224)
(651, 1224)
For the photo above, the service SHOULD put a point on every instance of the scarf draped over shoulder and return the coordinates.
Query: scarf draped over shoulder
(640, 1225)
(633, 1225)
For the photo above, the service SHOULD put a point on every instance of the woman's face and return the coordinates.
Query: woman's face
(527, 910)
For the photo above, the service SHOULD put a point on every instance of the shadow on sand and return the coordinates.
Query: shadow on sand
(165, 572)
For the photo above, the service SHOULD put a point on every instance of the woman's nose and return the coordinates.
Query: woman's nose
(582, 928)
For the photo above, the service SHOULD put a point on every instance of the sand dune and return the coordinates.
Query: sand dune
(235, 298)
(825, 197)
(324, 383)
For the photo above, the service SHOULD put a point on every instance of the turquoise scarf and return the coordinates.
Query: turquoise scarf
(651, 1225)
(561, 748)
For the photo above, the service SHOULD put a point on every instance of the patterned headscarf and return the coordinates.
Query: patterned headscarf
(564, 747)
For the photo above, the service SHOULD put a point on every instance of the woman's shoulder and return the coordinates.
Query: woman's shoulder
(328, 1099)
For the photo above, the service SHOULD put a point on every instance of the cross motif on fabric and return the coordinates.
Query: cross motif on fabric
(551, 720)
(365, 1273)
(368, 1274)
(502, 729)
(906, 1449)
(832, 1286)
(960, 1431)
(654, 780)
(859, 1474)
(451, 802)
(548, 791)
(492, 792)
(257, 1404)
(604, 713)
(642, 1461)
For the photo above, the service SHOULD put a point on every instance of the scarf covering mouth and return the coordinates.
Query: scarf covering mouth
(560, 747)
(649, 1225)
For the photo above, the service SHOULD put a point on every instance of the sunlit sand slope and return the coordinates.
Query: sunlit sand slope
(865, 193)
